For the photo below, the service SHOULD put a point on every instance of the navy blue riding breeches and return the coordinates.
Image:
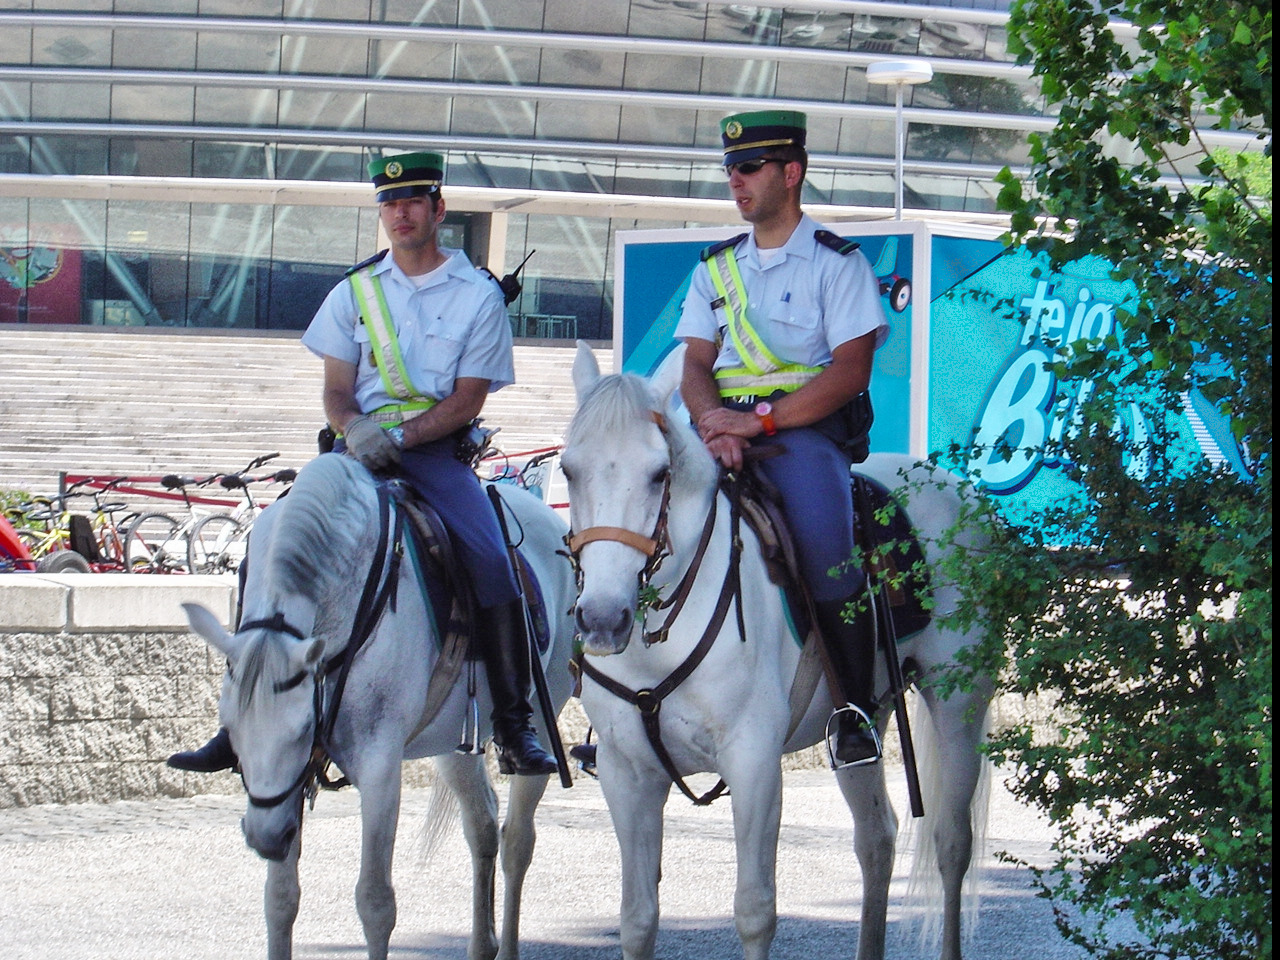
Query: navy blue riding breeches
(454, 491)
(812, 477)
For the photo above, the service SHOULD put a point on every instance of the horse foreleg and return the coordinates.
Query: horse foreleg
(518, 837)
(379, 813)
(280, 898)
(875, 834)
(468, 778)
(755, 791)
(635, 798)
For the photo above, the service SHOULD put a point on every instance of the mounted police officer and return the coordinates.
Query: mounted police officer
(780, 326)
(413, 343)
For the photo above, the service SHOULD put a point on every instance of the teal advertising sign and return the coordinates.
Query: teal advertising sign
(973, 325)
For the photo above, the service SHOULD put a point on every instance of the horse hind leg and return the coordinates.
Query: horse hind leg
(875, 836)
(468, 777)
(280, 897)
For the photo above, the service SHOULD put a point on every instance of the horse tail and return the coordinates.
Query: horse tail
(439, 821)
(924, 882)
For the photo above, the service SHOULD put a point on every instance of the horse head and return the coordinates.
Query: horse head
(631, 463)
(268, 707)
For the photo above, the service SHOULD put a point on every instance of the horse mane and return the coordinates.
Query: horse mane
(612, 402)
(316, 526)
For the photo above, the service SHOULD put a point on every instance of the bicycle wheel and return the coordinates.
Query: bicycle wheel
(216, 545)
(154, 544)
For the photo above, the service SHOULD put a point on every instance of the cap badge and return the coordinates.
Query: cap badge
(733, 129)
(394, 169)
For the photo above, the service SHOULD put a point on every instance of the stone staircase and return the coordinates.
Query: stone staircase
(89, 400)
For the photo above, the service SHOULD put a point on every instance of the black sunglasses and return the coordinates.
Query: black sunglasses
(748, 167)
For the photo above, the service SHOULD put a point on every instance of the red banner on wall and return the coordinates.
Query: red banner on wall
(39, 284)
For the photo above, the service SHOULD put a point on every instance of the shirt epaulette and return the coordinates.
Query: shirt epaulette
(715, 248)
(376, 258)
(839, 244)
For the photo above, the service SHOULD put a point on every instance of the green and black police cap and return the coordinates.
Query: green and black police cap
(406, 175)
(748, 136)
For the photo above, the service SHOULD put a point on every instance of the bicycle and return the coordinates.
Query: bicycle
(157, 542)
(61, 541)
(218, 543)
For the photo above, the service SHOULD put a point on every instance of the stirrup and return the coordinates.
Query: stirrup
(585, 754)
(833, 733)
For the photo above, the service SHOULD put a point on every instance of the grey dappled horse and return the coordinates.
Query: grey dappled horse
(312, 558)
(642, 483)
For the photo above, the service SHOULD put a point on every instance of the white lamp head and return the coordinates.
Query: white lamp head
(899, 71)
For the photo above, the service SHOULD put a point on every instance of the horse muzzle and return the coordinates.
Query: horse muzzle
(604, 628)
(271, 834)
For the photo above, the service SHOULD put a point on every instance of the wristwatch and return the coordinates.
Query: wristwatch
(764, 412)
(397, 436)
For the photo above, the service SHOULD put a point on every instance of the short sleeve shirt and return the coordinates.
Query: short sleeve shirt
(806, 301)
(455, 325)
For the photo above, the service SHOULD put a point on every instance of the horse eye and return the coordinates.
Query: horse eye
(660, 477)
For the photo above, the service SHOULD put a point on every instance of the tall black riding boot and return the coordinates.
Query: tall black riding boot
(506, 660)
(852, 649)
(215, 755)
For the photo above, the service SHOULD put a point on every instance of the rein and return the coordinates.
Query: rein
(649, 700)
(379, 590)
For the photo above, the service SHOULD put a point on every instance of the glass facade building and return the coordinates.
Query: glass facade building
(201, 163)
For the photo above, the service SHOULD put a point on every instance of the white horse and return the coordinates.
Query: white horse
(327, 565)
(642, 484)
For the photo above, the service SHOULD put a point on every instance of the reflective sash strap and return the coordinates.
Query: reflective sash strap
(382, 335)
(394, 414)
(761, 371)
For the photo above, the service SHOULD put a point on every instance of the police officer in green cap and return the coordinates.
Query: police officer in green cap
(780, 326)
(413, 342)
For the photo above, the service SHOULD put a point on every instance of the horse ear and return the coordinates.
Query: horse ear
(666, 379)
(206, 625)
(586, 371)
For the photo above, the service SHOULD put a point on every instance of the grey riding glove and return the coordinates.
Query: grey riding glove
(369, 443)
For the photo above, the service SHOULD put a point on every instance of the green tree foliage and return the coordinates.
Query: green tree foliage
(1151, 636)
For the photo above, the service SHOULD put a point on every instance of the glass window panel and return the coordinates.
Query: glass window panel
(493, 117)
(708, 181)
(578, 121)
(887, 35)
(161, 50)
(407, 111)
(440, 12)
(567, 276)
(400, 58)
(822, 134)
(234, 160)
(653, 180)
(494, 64)
(927, 141)
(327, 9)
(646, 71)
(860, 137)
(606, 17)
(150, 158)
(677, 19)
(641, 124)
(15, 45)
(324, 109)
(271, 9)
(487, 170)
(238, 52)
(42, 272)
(998, 45)
(739, 78)
(817, 186)
(518, 14)
(331, 56)
(824, 30)
(156, 6)
(951, 38)
(69, 155)
(70, 101)
(14, 101)
(230, 251)
(151, 103)
(71, 47)
(312, 247)
(14, 156)
(707, 129)
(146, 249)
(228, 105)
(740, 23)
(810, 81)
(15, 242)
(863, 189)
(318, 163)
(581, 68)
(577, 176)
(75, 6)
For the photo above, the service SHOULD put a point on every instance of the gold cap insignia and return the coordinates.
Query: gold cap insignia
(733, 129)
(394, 170)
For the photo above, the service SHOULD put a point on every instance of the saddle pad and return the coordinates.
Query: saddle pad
(905, 559)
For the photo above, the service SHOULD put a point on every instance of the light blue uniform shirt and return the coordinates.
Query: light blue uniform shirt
(456, 325)
(803, 303)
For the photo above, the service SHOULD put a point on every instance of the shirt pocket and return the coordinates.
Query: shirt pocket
(794, 327)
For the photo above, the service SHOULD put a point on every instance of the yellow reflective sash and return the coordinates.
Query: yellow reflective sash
(761, 371)
(376, 318)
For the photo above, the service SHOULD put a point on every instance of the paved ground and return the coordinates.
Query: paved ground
(173, 879)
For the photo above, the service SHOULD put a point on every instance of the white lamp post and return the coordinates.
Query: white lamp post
(899, 73)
